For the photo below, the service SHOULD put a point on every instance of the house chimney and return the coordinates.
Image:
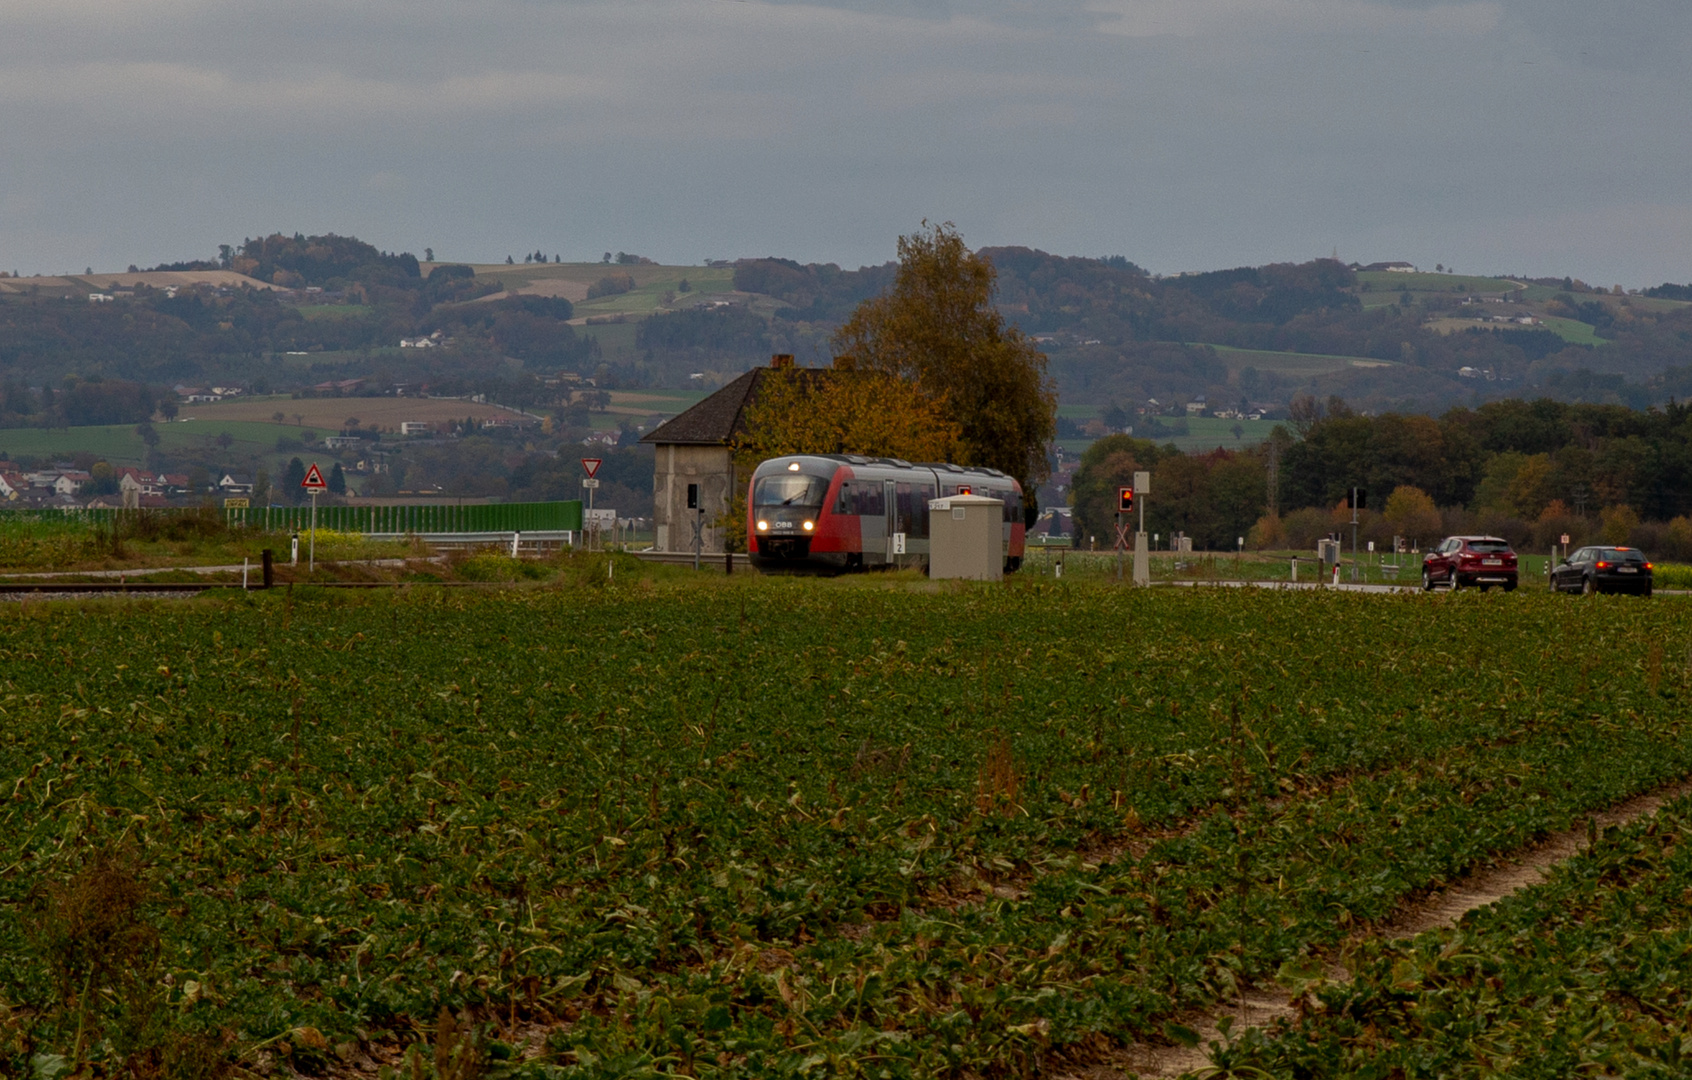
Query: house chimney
(845, 363)
(781, 360)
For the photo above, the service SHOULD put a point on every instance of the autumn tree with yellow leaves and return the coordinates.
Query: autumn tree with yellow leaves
(839, 410)
(844, 410)
(937, 329)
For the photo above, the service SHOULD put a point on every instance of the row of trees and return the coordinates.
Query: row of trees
(1513, 456)
(77, 402)
(325, 261)
(1529, 471)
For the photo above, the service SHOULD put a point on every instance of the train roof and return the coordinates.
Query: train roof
(899, 463)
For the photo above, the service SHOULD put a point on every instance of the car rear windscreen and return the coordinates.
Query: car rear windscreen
(1489, 547)
(1629, 555)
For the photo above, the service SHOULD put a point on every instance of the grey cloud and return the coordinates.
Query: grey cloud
(1184, 134)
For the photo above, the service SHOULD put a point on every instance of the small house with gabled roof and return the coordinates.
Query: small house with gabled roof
(694, 460)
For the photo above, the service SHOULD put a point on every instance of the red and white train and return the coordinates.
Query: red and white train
(830, 513)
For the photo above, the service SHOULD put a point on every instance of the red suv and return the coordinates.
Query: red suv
(1462, 561)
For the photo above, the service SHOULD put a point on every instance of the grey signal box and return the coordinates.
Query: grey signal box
(966, 538)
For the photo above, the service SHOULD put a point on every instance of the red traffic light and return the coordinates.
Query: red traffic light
(1125, 499)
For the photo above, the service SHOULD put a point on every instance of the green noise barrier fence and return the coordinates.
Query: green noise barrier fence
(395, 520)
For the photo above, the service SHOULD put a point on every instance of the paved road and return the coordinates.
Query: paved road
(1344, 586)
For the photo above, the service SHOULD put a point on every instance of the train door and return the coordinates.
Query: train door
(890, 503)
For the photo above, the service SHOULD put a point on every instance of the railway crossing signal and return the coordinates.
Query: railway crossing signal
(1124, 505)
(313, 483)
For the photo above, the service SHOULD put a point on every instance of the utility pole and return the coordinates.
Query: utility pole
(1358, 495)
(1142, 556)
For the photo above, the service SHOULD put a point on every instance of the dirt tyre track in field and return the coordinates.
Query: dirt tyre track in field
(1261, 1006)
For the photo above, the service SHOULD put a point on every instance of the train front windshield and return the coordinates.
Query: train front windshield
(790, 489)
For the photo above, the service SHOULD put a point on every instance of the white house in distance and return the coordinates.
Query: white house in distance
(70, 482)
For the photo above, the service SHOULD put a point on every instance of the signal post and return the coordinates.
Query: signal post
(1142, 554)
(1358, 500)
(590, 483)
(313, 483)
(1125, 505)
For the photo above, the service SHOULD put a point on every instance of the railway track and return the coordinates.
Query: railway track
(151, 588)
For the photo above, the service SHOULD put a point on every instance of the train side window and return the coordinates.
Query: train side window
(860, 497)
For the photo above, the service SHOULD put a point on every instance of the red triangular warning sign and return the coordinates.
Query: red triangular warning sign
(592, 464)
(314, 478)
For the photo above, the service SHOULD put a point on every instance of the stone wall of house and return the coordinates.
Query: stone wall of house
(675, 467)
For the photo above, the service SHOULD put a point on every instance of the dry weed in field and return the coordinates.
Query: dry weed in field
(103, 957)
(90, 928)
(996, 786)
(460, 1053)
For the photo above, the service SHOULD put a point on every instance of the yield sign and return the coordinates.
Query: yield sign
(592, 464)
(314, 478)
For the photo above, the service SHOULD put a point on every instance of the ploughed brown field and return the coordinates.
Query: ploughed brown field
(334, 412)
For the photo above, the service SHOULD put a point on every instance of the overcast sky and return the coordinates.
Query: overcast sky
(1499, 136)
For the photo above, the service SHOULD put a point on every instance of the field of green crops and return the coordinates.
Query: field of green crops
(1584, 975)
(755, 828)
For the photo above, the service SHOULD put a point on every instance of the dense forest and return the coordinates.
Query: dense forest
(1526, 470)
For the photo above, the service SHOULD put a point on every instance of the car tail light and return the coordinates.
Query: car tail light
(1602, 565)
(1647, 566)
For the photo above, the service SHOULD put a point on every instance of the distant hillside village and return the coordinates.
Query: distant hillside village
(210, 377)
(64, 486)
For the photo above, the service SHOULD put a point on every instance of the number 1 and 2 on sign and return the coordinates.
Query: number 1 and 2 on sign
(313, 483)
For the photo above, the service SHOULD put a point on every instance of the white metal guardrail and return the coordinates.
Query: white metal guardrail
(512, 541)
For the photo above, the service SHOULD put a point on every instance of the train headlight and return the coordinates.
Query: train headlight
(763, 526)
(809, 525)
